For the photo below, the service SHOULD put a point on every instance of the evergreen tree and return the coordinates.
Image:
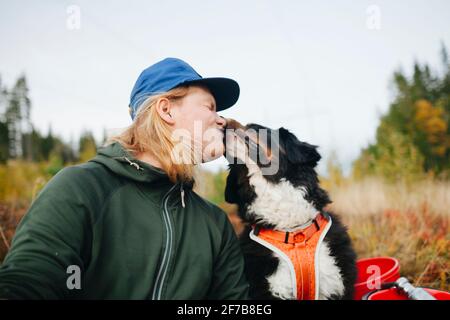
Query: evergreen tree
(414, 135)
(4, 140)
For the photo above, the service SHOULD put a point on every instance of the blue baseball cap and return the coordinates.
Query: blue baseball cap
(170, 73)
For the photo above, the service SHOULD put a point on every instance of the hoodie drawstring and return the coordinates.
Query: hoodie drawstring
(182, 195)
(134, 164)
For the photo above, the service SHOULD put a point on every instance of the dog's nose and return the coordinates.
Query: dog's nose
(233, 124)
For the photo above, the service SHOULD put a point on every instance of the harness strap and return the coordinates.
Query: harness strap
(298, 236)
(300, 247)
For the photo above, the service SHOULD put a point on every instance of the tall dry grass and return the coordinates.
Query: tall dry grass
(20, 182)
(407, 221)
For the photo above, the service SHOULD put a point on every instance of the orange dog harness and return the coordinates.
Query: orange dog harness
(300, 250)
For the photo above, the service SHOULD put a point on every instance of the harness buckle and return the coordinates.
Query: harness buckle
(317, 224)
(256, 230)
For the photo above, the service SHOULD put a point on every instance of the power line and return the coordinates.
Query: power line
(300, 70)
(123, 40)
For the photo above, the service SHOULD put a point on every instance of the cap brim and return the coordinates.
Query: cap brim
(225, 91)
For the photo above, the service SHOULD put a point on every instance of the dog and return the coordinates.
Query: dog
(282, 209)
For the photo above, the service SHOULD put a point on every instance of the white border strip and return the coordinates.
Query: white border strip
(282, 255)
(316, 255)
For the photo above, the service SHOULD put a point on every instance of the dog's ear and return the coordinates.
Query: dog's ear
(298, 152)
(231, 195)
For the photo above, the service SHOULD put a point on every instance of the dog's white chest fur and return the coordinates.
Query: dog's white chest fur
(279, 204)
(284, 206)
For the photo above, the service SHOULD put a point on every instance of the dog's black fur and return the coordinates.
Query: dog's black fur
(296, 164)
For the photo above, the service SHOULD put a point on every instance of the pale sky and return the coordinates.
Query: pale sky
(319, 68)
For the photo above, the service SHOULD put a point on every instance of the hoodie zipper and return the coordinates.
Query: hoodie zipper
(163, 268)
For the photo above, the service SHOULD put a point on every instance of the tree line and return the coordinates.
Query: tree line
(413, 137)
(20, 139)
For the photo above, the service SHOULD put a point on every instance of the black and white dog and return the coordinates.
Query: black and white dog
(285, 200)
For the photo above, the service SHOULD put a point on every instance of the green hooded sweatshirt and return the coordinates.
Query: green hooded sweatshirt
(117, 228)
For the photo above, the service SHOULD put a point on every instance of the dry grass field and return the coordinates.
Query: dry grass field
(407, 221)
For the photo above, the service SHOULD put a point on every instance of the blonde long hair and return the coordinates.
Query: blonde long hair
(150, 133)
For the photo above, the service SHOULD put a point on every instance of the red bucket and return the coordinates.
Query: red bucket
(375, 271)
(394, 294)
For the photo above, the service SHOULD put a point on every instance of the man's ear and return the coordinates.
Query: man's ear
(231, 195)
(298, 152)
(164, 107)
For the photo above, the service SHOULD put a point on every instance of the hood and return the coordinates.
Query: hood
(121, 162)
